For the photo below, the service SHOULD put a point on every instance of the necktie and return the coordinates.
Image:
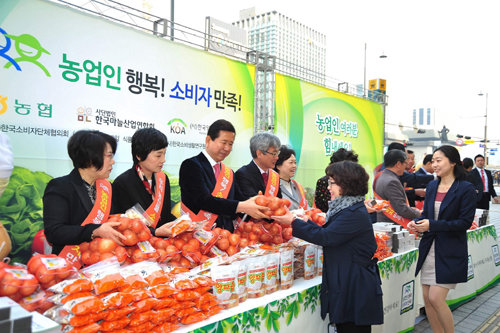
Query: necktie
(484, 182)
(264, 175)
(217, 170)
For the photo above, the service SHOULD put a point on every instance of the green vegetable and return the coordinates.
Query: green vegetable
(21, 210)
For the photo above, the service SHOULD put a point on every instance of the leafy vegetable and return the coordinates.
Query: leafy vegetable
(21, 210)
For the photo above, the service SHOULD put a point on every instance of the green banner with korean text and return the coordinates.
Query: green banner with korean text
(62, 70)
(316, 121)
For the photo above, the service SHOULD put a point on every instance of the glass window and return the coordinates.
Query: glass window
(428, 116)
(421, 116)
(414, 117)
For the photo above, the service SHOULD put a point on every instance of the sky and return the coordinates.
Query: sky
(440, 54)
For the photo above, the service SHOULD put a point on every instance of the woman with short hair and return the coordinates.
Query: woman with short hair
(351, 290)
(72, 204)
(145, 183)
(286, 166)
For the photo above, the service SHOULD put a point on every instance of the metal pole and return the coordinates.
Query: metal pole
(486, 132)
(364, 76)
(172, 20)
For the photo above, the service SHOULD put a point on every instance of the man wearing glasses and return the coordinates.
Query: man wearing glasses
(258, 175)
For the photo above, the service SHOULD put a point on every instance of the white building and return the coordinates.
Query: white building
(424, 118)
(299, 49)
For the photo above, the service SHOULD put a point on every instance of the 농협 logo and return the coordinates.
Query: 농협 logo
(177, 126)
(28, 48)
(3, 104)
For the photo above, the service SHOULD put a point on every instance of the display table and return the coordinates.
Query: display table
(292, 310)
(297, 309)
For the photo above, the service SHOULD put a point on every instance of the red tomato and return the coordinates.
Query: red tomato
(275, 229)
(84, 246)
(144, 235)
(43, 275)
(124, 224)
(243, 242)
(223, 244)
(280, 212)
(95, 257)
(225, 233)
(9, 285)
(86, 258)
(161, 244)
(179, 243)
(232, 250)
(287, 233)
(106, 245)
(262, 200)
(234, 239)
(274, 204)
(252, 237)
(94, 245)
(277, 239)
(130, 238)
(28, 287)
(266, 238)
(136, 226)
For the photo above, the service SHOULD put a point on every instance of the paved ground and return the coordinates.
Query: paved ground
(482, 314)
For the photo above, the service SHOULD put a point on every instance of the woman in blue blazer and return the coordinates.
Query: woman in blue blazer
(350, 292)
(449, 207)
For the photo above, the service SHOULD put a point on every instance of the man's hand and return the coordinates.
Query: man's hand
(420, 192)
(251, 208)
(164, 231)
(107, 230)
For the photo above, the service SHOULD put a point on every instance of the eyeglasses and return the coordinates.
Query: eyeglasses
(331, 182)
(274, 154)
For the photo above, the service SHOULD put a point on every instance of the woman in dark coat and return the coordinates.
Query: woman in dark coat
(350, 293)
(449, 207)
(69, 200)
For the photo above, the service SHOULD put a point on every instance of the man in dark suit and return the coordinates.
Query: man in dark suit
(426, 168)
(198, 176)
(252, 178)
(483, 181)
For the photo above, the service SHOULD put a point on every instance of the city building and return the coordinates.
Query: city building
(300, 50)
(424, 118)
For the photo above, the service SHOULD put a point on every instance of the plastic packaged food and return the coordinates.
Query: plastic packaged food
(117, 300)
(225, 278)
(115, 314)
(286, 269)
(90, 328)
(309, 262)
(255, 277)
(272, 273)
(242, 281)
(105, 275)
(73, 286)
(49, 269)
(319, 260)
(16, 282)
(83, 306)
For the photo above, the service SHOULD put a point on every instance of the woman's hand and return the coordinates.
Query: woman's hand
(419, 226)
(107, 230)
(369, 208)
(251, 208)
(286, 219)
(164, 230)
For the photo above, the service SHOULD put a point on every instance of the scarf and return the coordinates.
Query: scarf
(145, 181)
(342, 202)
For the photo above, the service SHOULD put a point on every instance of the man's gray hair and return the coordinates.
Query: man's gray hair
(263, 141)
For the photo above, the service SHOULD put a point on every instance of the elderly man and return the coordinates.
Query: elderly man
(259, 175)
(387, 186)
(204, 176)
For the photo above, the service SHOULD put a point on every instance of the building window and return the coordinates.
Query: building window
(414, 117)
(428, 116)
(421, 116)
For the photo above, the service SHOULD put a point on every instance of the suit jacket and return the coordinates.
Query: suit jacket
(449, 231)
(66, 204)
(389, 187)
(478, 182)
(128, 190)
(295, 197)
(197, 181)
(351, 287)
(415, 180)
(249, 182)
